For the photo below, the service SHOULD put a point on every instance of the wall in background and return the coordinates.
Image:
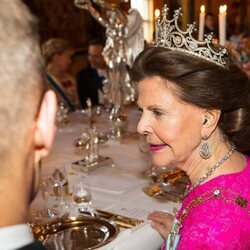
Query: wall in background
(60, 18)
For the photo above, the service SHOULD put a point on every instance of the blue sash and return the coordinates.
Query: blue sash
(60, 91)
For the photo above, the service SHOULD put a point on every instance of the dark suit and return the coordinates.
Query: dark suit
(88, 82)
(208, 31)
(36, 245)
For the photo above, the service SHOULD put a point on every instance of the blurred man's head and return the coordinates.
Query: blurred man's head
(210, 20)
(95, 56)
(20, 74)
(24, 113)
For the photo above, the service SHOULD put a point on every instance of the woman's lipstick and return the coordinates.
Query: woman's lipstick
(156, 147)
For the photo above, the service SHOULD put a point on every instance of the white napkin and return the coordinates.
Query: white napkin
(111, 183)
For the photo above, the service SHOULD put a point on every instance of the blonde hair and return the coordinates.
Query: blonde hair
(54, 46)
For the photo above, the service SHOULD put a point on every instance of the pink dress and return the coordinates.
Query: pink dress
(220, 219)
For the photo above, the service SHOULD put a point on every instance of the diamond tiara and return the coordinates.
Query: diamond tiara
(170, 36)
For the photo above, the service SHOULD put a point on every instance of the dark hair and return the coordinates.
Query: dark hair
(204, 84)
(97, 41)
(209, 14)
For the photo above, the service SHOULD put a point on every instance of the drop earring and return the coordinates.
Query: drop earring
(205, 149)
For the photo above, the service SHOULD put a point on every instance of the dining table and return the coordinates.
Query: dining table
(116, 187)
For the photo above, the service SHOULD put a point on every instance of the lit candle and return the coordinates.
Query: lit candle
(201, 22)
(157, 14)
(222, 24)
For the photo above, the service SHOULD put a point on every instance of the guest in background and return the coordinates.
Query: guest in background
(210, 25)
(246, 68)
(57, 53)
(195, 115)
(237, 32)
(27, 123)
(90, 79)
(237, 29)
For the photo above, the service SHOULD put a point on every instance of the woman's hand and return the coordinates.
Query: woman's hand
(161, 221)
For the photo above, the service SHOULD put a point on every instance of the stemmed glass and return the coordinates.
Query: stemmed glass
(62, 115)
(59, 178)
(152, 173)
(82, 198)
(46, 183)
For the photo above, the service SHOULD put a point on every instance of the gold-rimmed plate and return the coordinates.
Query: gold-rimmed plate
(76, 233)
(164, 191)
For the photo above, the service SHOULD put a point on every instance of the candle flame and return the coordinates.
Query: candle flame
(202, 9)
(157, 13)
(223, 9)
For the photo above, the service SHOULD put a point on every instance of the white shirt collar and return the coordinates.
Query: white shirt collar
(102, 72)
(17, 236)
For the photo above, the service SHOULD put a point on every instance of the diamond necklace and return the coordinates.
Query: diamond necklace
(174, 234)
(210, 171)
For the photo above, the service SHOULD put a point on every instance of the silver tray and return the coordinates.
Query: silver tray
(76, 233)
(82, 166)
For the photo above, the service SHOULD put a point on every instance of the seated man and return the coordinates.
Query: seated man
(27, 123)
(90, 79)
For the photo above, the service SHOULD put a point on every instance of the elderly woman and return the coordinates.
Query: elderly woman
(196, 116)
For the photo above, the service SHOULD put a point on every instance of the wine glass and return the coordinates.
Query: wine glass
(153, 173)
(82, 198)
(59, 178)
(46, 190)
(143, 145)
(62, 117)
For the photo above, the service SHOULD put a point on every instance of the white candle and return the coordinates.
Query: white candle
(222, 24)
(201, 23)
(157, 14)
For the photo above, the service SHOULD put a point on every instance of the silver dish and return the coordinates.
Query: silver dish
(76, 233)
(83, 166)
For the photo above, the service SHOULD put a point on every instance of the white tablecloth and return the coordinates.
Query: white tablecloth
(116, 189)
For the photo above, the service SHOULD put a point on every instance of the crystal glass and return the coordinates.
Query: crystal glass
(46, 188)
(59, 178)
(62, 117)
(92, 146)
(82, 198)
(152, 173)
(143, 145)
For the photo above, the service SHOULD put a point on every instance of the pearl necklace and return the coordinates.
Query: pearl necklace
(210, 171)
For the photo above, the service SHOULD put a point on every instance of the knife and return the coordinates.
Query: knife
(121, 220)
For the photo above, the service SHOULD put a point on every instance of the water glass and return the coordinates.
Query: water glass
(82, 198)
(59, 178)
(62, 117)
(46, 186)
